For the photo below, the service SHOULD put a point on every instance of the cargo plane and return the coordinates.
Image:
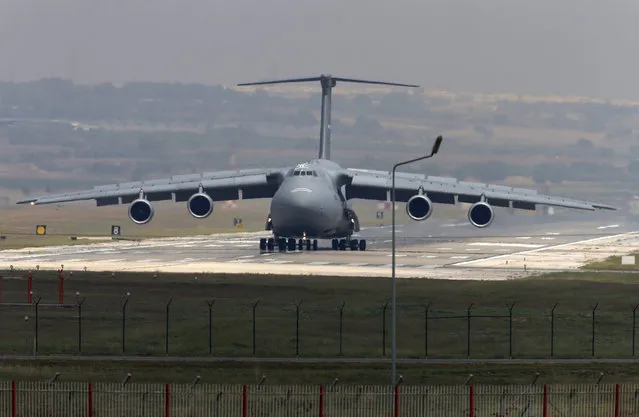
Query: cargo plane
(310, 200)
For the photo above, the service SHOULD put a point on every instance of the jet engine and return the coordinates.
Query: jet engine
(419, 207)
(481, 214)
(200, 205)
(141, 211)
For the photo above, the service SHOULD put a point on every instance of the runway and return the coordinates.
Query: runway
(514, 246)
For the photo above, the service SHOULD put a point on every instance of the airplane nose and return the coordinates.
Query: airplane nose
(298, 210)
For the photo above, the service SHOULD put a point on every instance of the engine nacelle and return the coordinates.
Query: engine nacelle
(200, 205)
(481, 214)
(419, 207)
(141, 211)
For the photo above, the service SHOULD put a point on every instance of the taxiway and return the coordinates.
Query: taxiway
(514, 246)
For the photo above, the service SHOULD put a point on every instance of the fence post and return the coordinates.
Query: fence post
(254, 307)
(210, 304)
(384, 308)
(396, 400)
(14, 400)
(552, 331)
(634, 321)
(510, 330)
(29, 288)
(297, 328)
(617, 389)
(60, 287)
(244, 401)
(341, 328)
(426, 330)
(166, 346)
(468, 331)
(471, 405)
(167, 400)
(321, 401)
(593, 330)
(90, 399)
(545, 400)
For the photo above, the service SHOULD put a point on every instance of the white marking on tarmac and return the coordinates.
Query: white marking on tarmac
(459, 257)
(147, 260)
(547, 238)
(608, 227)
(429, 256)
(357, 264)
(543, 249)
(522, 237)
(552, 233)
(319, 263)
(519, 245)
(445, 248)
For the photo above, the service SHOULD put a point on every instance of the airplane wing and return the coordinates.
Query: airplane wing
(376, 185)
(220, 186)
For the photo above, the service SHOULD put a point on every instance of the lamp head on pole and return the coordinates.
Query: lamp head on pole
(437, 144)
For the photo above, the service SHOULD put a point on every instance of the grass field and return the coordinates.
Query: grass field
(275, 325)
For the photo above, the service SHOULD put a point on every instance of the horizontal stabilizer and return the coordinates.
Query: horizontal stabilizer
(327, 77)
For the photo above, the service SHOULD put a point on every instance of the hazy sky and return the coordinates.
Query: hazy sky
(585, 47)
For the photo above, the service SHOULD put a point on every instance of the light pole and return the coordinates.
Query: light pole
(435, 149)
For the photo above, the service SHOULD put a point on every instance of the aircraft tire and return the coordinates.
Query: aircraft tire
(335, 244)
(270, 244)
(308, 245)
(353, 244)
(263, 244)
(300, 244)
(281, 244)
(291, 244)
(342, 244)
(362, 245)
(314, 244)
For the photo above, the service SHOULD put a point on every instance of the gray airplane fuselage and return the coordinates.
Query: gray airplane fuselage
(309, 202)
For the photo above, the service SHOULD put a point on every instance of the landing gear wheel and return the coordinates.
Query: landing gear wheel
(291, 244)
(263, 244)
(270, 244)
(281, 244)
(342, 244)
(362, 245)
(308, 245)
(314, 244)
(300, 244)
(335, 244)
(353, 244)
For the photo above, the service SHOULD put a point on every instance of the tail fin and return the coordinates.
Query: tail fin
(327, 82)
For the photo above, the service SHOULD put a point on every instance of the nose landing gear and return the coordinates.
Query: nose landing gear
(352, 244)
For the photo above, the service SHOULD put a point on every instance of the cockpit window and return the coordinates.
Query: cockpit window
(305, 173)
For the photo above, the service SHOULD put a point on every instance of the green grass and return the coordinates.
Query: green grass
(612, 263)
(319, 323)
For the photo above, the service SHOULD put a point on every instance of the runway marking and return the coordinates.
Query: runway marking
(429, 256)
(248, 256)
(547, 238)
(552, 233)
(522, 237)
(544, 248)
(279, 262)
(502, 250)
(242, 246)
(357, 264)
(608, 227)
(147, 260)
(459, 257)
(319, 263)
(473, 249)
(397, 255)
(445, 248)
(520, 245)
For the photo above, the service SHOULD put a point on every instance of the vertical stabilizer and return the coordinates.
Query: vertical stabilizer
(327, 82)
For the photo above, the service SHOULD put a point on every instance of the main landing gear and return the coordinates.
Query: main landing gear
(352, 244)
(283, 244)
